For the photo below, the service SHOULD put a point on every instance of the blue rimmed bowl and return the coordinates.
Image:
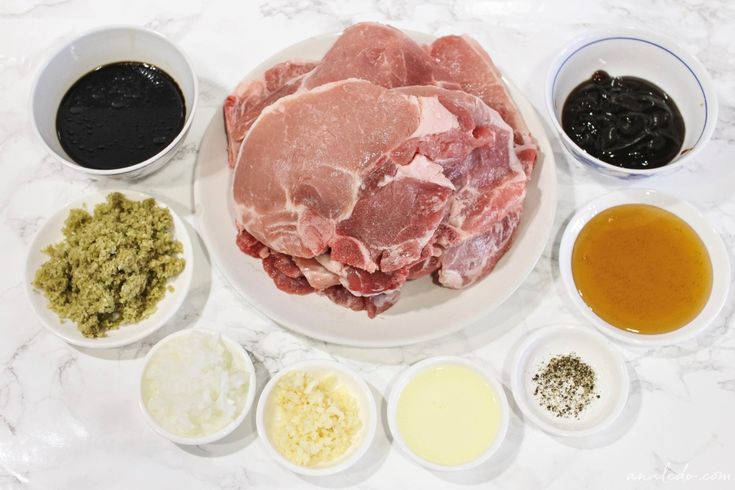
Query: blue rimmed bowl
(631, 52)
(97, 48)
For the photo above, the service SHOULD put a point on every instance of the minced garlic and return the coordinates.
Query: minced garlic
(315, 422)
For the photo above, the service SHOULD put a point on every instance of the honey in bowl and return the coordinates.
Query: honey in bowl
(642, 269)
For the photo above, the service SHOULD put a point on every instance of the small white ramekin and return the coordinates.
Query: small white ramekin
(613, 382)
(100, 47)
(409, 374)
(351, 381)
(237, 350)
(715, 247)
(653, 57)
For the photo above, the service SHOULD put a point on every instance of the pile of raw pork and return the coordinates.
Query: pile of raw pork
(384, 162)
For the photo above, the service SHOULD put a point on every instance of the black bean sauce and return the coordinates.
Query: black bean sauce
(120, 114)
(625, 121)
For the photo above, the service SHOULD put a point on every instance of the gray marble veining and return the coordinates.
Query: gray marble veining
(69, 417)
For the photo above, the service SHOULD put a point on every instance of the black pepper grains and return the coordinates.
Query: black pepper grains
(565, 385)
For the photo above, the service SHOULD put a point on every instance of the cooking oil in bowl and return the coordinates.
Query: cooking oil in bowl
(642, 269)
(449, 415)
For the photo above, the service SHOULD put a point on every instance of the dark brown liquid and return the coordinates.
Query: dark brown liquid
(625, 121)
(120, 114)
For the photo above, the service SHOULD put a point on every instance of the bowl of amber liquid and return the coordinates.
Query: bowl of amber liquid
(644, 267)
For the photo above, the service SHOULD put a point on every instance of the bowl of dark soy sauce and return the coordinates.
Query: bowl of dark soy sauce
(630, 104)
(115, 102)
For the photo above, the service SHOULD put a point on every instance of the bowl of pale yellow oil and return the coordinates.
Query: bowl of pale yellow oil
(644, 267)
(448, 413)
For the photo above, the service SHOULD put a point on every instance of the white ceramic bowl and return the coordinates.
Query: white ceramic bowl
(51, 232)
(100, 47)
(346, 378)
(613, 384)
(238, 351)
(419, 367)
(712, 241)
(630, 52)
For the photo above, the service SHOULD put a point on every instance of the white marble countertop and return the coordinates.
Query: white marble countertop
(69, 417)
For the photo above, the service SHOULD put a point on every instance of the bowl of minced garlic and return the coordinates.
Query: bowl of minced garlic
(316, 417)
(109, 269)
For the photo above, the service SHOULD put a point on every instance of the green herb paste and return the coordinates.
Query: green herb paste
(113, 265)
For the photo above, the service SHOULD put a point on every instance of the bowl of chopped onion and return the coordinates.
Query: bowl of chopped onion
(196, 387)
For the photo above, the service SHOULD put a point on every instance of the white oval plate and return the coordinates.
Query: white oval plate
(712, 241)
(613, 382)
(51, 232)
(424, 311)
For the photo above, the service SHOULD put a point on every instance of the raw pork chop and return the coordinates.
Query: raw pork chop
(380, 54)
(319, 198)
(322, 173)
(461, 60)
(336, 184)
(490, 187)
(242, 107)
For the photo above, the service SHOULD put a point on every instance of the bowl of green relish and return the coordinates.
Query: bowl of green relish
(109, 269)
